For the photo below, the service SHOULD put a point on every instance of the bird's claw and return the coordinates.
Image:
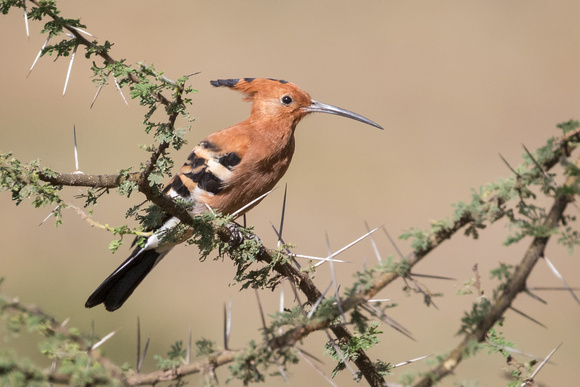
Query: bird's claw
(236, 236)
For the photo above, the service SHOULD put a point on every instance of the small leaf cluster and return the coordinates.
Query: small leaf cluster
(176, 356)
(520, 373)
(251, 365)
(365, 278)
(23, 183)
(470, 320)
(205, 347)
(496, 342)
(348, 349)
(287, 318)
(382, 368)
(245, 249)
(67, 348)
(502, 273)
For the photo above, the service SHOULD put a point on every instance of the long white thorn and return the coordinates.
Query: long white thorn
(235, 214)
(209, 208)
(544, 362)
(77, 170)
(318, 301)
(120, 91)
(26, 19)
(70, 65)
(102, 341)
(227, 323)
(557, 274)
(411, 361)
(38, 55)
(514, 350)
(348, 246)
(82, 31)
(334, 280)
(375, 249)
(49, 215)
(320, 372)
(318, 258)
(96, 95)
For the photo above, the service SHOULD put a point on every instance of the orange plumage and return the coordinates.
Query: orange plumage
(226, 171)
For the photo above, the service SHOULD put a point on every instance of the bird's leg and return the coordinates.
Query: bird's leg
(236, 236)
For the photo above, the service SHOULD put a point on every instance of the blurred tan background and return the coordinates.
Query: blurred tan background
(453, 83)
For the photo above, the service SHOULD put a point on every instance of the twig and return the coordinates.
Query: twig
(515, 285)
(106, 227)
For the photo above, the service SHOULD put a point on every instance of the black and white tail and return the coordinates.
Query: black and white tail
(117, 288)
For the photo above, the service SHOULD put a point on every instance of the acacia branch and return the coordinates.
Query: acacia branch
(212, 362)
(307, 286)
(50, 326)
(563, 148)
(84, 180)
(515, 285)
(301, 279)
(102, 53)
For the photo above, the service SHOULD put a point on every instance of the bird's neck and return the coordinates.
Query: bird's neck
(274, 134)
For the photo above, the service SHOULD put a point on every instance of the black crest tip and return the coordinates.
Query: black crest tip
(225, 82)
(278, 80)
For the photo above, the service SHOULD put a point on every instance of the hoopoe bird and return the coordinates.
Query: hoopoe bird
(226, 171)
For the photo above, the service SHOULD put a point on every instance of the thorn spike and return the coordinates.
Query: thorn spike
(120, 91)
(26, 20)
(348, 246)
(283, 213)
(96, 95)
(253, 202)
(70, 65)
(375, 249)
(545, 361)
(38, 55)
(561, 278)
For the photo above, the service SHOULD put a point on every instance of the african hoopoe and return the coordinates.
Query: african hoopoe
(226, 171)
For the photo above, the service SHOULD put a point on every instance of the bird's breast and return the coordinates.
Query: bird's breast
(260, 169)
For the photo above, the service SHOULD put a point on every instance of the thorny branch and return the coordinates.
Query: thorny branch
(83, 180)
(103, 54)
(168, 205)
(515, 285)
(306, 285)
(302, 279)
(50, 327)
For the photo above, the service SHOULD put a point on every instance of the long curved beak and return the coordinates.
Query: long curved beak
(320, 107)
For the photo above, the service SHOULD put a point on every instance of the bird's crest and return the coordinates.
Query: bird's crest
(250, 87)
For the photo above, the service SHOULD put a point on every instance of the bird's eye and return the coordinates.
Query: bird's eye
(287, 100)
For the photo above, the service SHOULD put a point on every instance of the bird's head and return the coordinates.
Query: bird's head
(280, 100)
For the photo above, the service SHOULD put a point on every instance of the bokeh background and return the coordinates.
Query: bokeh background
(454, 83)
